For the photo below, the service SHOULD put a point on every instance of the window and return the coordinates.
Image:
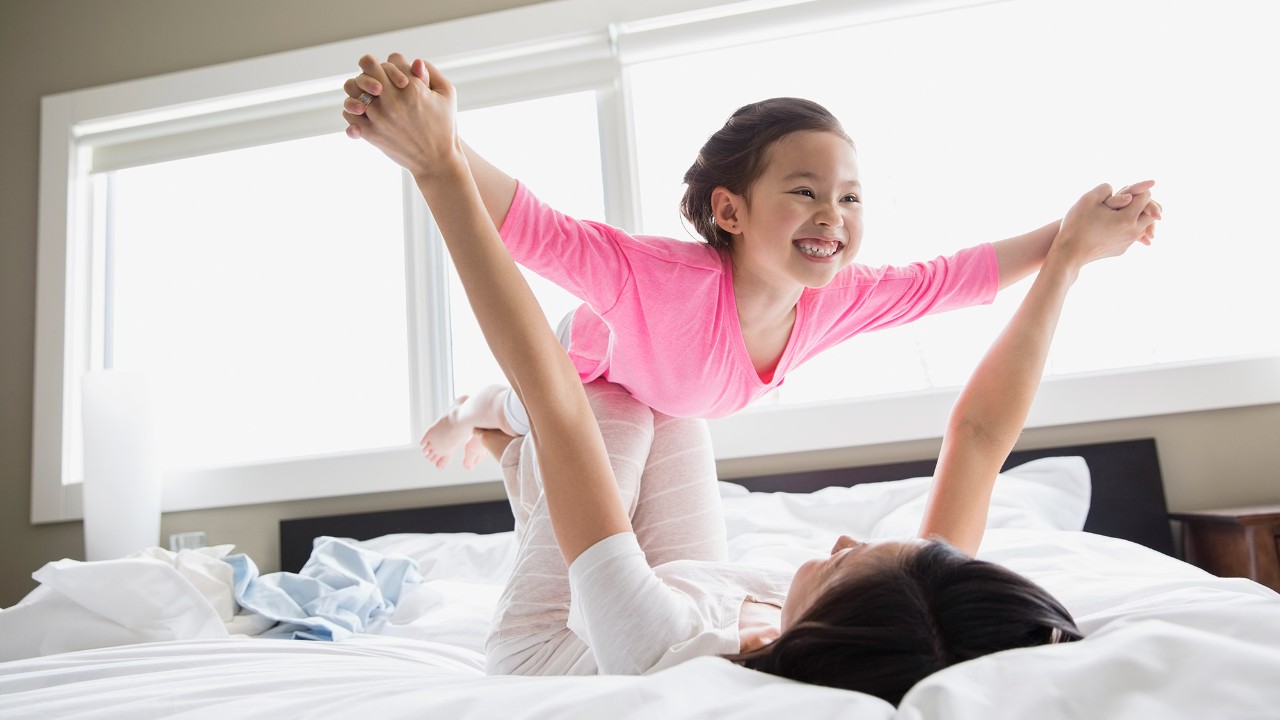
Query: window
(553, 145)
(267, 306)
(996, 107)
(201, 226)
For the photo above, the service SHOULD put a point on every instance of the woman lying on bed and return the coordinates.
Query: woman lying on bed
(621, 565)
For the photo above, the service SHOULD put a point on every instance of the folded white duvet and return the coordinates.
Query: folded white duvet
(151, 595)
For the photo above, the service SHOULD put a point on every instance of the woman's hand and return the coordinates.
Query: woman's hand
(1093, 229)
(406, 110)
(1122, 197)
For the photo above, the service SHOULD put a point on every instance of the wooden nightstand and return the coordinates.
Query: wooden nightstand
(1236, 542)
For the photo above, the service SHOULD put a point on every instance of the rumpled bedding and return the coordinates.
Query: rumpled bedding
(444, 585)
(1163, 639)
(152, 595)
(337, 593)
(202, 594)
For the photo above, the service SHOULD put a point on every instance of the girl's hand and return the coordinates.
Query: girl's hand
(1122, 197)
(406, 110)
(1092, 229)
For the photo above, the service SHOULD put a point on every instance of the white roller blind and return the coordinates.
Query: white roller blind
(738, 24)
(159, 141)
(222, 124)
(485, 76)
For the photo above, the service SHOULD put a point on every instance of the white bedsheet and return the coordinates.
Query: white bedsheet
(1164, 640)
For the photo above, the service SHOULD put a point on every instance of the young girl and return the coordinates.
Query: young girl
(703, 330)
(604, 583)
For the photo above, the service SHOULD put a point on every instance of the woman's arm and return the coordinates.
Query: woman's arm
(587, 259)
(582, 496)
(989, 414)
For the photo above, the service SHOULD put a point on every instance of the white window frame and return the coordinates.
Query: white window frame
(559, 46)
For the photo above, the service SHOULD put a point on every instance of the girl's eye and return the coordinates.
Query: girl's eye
(805, 192)
(851, 198)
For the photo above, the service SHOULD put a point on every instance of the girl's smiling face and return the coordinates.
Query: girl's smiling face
(801, 221)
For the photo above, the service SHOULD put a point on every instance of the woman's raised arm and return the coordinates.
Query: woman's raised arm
(582, 495)
(989, 414)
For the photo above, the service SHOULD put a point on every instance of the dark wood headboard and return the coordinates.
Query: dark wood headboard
(1128, 500)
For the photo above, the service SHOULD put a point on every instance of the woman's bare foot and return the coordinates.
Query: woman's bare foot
(456, 429)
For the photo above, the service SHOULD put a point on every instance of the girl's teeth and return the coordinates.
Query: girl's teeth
(816, 252)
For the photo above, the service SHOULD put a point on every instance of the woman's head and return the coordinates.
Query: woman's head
(736, 155)
(889, 614)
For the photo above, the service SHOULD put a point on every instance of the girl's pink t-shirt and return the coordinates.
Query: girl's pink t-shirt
(660, 317)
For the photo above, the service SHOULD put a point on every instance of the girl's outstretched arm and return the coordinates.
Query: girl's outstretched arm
(989, 414)
(582, 495)
(1020, 256)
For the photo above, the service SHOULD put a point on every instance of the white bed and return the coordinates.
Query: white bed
(1164, 639)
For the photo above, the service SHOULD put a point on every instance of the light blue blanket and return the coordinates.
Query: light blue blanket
(336, 594)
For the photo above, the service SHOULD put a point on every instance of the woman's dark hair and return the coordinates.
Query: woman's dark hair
(734, 157)
(931, 606)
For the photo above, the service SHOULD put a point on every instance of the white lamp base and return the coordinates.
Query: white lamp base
(121, 466)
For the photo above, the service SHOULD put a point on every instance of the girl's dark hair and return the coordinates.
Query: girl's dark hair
(922, 610)
(734, 157)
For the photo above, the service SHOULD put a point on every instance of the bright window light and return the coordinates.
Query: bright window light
(263, 290)
(985, 123)
(552, 145)
(287, 297)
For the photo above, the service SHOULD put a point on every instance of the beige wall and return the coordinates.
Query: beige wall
(50, 46)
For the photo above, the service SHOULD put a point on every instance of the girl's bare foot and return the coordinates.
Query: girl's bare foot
(455, 430)
(448, 433)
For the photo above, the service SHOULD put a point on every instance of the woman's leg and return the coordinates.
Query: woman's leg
(666, 475)
(530, 635)
(678, 514)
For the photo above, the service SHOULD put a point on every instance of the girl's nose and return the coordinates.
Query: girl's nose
(828, 216)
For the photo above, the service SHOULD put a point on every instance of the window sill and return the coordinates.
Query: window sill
(1066, 400)
(762, 432)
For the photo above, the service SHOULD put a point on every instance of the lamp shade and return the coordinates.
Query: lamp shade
(121, 497)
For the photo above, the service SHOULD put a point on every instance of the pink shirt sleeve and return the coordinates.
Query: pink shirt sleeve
(583, 257)
(863, 299)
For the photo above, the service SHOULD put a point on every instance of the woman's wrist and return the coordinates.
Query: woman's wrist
(1061, 261)
(450, 167)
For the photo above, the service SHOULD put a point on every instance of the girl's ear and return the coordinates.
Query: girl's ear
(726, 208)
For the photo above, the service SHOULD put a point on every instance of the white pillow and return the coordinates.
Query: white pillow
(466, 557)
(783, 529)
(1046, 494)
(452, 612)
(464, 572)
(463, 575)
